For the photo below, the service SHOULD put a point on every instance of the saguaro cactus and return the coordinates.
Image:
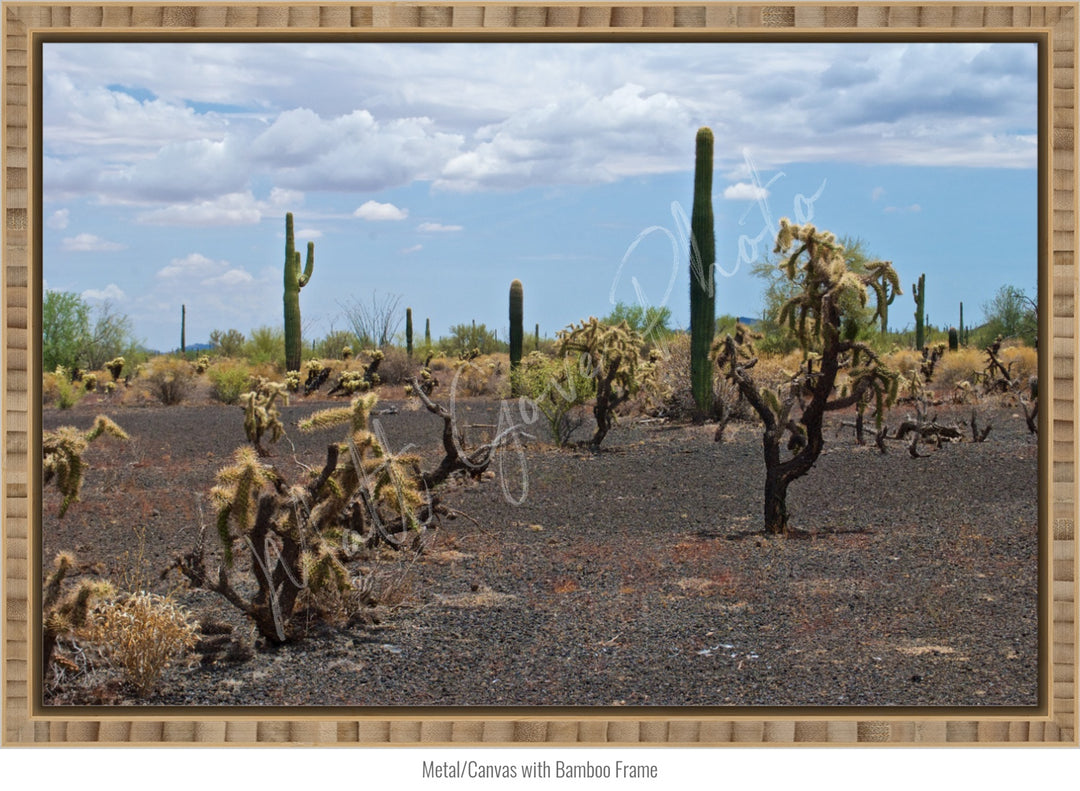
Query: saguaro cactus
(517, 333)
(961, 337)
(918, 291)
(536, 337)
(408, 331)
(954, 339)
(183, 328)
(702, 288)
(294, 281)
(427, 333)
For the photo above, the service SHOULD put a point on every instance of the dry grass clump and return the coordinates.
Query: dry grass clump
(481, 376)
(169, 379)
(1022, 362)
(956, 367)
(141, 634)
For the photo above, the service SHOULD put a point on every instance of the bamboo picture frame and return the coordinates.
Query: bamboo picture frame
(1052, 25)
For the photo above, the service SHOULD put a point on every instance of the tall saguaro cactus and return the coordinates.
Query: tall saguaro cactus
(919, 293)
(183, 330)
(517, 332)
(963, 340)
(294, 281)
(408, 332)
(702, 287)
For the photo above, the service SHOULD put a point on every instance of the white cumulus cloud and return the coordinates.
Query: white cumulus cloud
(111, 291)
(88, 243)
(437, 227)
(379, 212)
(746, 192)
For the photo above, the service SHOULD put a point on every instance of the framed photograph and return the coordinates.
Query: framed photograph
(515, 373)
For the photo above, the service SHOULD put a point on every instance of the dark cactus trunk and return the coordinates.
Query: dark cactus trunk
(183, 330)
(918, 291)
(954, 339)
(408, 332)
(294, 281)
(702, 287)
(517, 331)
(962, 339)
(537, 338)
(427, 333)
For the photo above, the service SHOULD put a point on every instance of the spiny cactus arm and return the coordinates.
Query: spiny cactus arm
(736, 372)
(309, 265)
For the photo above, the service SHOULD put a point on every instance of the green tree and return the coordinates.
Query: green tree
(651, 323)
(1011, 314)
(227, 343)
(111, 336)
(65, 330)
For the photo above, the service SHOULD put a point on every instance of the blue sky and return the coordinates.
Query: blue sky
(441, 172)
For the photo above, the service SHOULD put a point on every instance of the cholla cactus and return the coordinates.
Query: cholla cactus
(202, 364)
(613, 356)
(292, 381)
(65, 611)
(296, 534)
(62, 451)
(115, 367)
(89, 382)
(825, 315)
(261, 415)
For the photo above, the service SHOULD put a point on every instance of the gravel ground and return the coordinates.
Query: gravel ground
(636, 576)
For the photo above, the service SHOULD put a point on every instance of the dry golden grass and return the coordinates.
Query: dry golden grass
(142, 634)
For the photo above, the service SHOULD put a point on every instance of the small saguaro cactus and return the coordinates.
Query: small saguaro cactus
(408, 332)
(427, 333)
(961, 337)
(517, 333)
(702, 287)
(919, 294)
(954, 339)
(294, 281)
(183, 330)
(536, 338)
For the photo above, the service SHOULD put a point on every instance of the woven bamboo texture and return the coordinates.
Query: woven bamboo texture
(1054, 25)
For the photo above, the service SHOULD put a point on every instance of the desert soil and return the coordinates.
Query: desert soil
(635, 576)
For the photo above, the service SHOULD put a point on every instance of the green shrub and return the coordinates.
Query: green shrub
(556, 386)
(228, 380)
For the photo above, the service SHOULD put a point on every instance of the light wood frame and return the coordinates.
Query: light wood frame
(1052, 25)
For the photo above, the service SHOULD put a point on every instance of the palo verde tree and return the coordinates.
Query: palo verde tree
(825, 314)
(294, 281)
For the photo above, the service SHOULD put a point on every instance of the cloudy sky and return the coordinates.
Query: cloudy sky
(441, 172)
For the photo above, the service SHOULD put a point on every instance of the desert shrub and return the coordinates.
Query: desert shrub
(266, 346)
(335, 343)
(955, 367)
(142, 633)
(557, 386)
(1022, 362)
(478, 376)
(227, 343)
(169, 379)
(228, 379)
(396, 368)
(57, 387)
